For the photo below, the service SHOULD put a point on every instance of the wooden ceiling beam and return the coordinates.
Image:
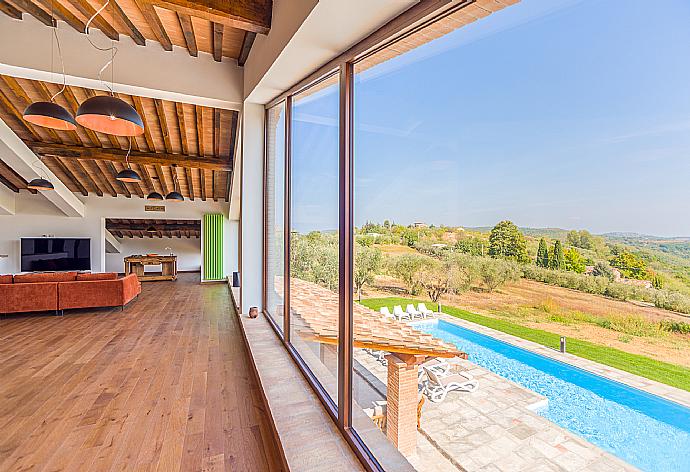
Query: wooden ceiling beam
(160, 227)
(248, 15)
(99, 178)
(147, 133)
(63, 14)
(188, 32)
(190, 182)
(86, 177)
(247, 43)
(160, 111)
(228, 185)
(70, 176)
(85, 8)
(154, 22)
(8, 184)
(10, 10)
(132, 30)
(161, 179)
(217, 40)
(35, 11)
(214, 176)
(118, 155)
(202, 183)
(144, 172)
(198, 111)
(179, 108)
(12, 179)
(216, 132)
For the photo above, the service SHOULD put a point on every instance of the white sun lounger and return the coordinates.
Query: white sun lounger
(437, 387)
(439, 366)
(400, 314)
(424, 310)
(412, 311)
(386, 312)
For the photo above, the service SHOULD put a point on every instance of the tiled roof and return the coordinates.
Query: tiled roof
(315, 317)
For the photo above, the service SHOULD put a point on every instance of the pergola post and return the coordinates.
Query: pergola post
(402, 400)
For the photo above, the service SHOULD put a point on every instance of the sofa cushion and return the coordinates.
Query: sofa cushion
(45, 277)
(5, 279)
(17, 298)
(97, 276)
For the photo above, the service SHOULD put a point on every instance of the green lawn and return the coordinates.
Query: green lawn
(663, 372)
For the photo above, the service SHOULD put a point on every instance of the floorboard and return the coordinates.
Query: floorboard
(163, 385)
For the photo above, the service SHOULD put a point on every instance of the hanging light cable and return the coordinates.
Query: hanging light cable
(127, 174)
(107, 113)
(174, 196)
(50, 114)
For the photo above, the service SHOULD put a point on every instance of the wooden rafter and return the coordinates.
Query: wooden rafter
(216, 132)
(63, 14)
(247, 15)
(190, 182)
(188, 32)
(147, 133)
(70, 176)
(154, 22)
(85, 8)
(161, 179)
(10, 10)
(84, 174)
(9, 106)
(12, 179)
(247, 43)
(20, 93)
(98, 172)
(132, 30)
(198, 111)
(118, 155)
(179, 108)
(144, 172)
(35, 11)
(217, 40)
(202, 183)
(160, 111)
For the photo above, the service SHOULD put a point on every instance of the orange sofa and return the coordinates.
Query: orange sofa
(57, 291)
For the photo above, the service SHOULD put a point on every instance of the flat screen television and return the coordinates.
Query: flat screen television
(55, 254)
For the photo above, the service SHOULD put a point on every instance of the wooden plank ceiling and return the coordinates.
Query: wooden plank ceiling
(188, 146)
(219, 27)
(139, 228)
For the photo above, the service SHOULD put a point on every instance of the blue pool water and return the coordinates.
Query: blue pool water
(644, 430)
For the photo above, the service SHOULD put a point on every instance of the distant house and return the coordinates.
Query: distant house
(618, 277)
(419, 225)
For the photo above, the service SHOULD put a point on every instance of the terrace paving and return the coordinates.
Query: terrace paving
(493, 429)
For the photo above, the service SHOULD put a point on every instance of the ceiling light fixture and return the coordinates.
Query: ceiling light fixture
(154, 196)
(50, 114)
(107, 113)
(174, 196)
(128, 175)
(40, 184)
(151, 229)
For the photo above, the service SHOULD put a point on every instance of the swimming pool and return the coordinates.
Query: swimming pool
(644, 430)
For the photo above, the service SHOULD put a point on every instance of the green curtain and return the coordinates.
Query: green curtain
(213, 246)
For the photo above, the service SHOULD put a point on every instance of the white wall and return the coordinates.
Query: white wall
(188, 252)
(36, 216)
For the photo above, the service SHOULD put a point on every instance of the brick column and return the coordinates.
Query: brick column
(401, 410)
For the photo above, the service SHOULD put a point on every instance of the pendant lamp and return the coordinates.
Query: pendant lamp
(40, 184)
(151, 229)
(128, 175)
(107, 113)
(174, 196)
(154, 196)
(110, 115)
(50, 114)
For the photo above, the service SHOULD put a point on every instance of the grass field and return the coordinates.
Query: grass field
(670, 374)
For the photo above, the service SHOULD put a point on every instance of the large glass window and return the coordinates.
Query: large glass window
(275, 212)
(314, 230)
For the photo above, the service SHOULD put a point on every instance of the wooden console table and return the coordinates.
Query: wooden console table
(135, 265)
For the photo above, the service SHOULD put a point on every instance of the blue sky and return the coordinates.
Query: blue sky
(571, 114)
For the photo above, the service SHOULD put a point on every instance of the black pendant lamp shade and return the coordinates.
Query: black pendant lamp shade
(50, 115)
(110, 115)
(40, 184)
(151, 229)
(128, 175)
(174, 196)
(154, 196)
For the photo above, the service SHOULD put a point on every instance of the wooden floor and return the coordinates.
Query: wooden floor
(163, 385)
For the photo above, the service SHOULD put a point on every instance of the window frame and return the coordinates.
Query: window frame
(417, 17)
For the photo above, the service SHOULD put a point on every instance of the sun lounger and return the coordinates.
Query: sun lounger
(412, 311)
(439, 366)
(424, 310)
(400, 314)
(437, 387)
(386, 312)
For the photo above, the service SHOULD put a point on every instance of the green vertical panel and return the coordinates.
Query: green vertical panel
(213, 247)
